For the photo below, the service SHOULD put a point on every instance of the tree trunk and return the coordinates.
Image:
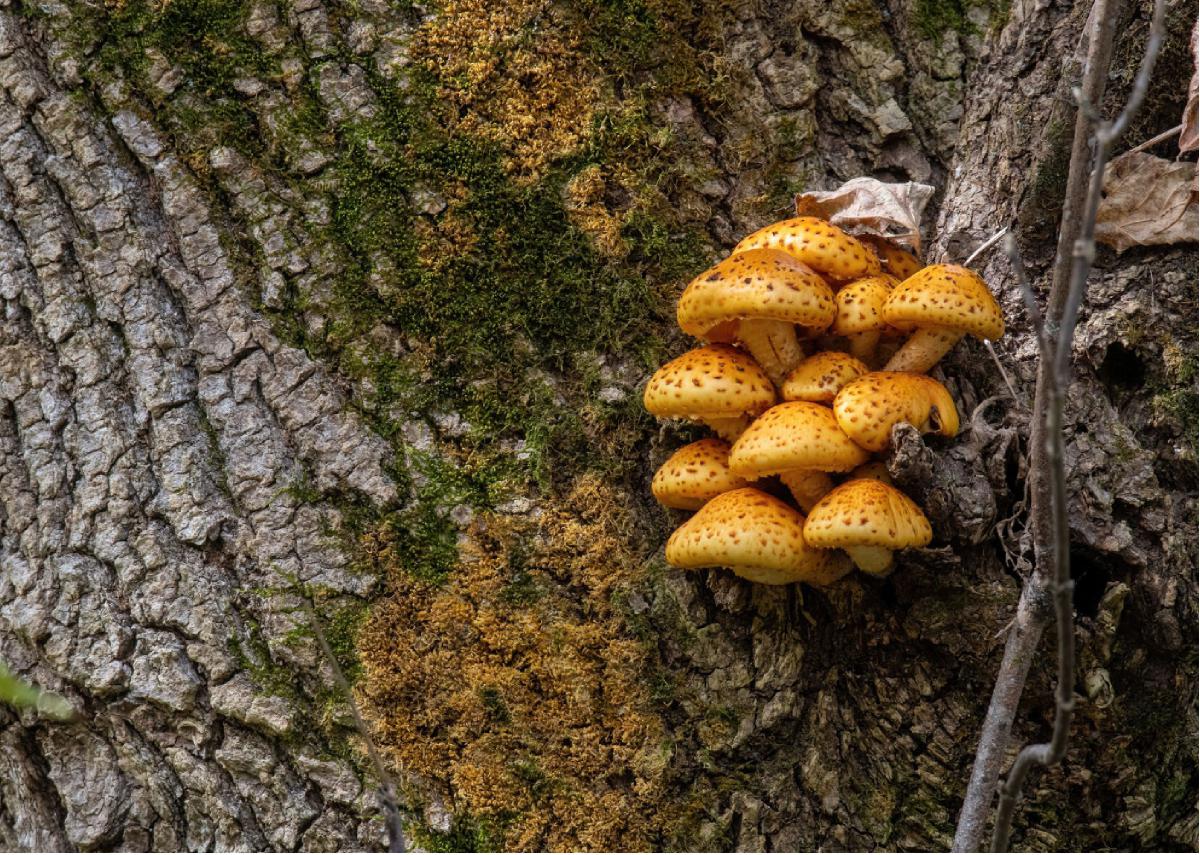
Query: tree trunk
(353, 301)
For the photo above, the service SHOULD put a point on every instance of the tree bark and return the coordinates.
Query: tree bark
(188, 444)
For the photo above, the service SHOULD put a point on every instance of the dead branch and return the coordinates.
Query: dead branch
(1049, 589)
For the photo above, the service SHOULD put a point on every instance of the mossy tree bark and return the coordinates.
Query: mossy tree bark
(353, 300)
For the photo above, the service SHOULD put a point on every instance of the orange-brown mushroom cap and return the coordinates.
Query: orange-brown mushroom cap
(860, 305)
(819, 377)
(866, 512)
(755, 535)
(764, 284)
(897, 260)
(794, 435)
(695, 474)
(711, 382)
(821, 245)
(867, 408)
(945, 295)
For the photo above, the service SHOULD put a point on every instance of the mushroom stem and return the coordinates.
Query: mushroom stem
(923, 349)
(863, 345)
(808, 486)
(774, 346)
(730, 427)
(875, 560)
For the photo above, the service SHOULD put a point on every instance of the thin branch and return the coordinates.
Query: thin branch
(1156, 139)
(1050, 753)
(1045, 345)
(986, 245)
(387, 790)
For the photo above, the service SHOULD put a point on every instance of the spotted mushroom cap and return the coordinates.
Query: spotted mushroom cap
(754, 534)
(794, 435)
(821, 245)
(896, 260)
(694, 474)
(945, 295)
(860, 305)
(760, 284)
(875, 469)
(866, 512)
(716, 381)
(867, 408)
(819, 377)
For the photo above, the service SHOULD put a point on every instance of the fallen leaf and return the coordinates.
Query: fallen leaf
(866, 206)
(1147, 201)
(1189, 140)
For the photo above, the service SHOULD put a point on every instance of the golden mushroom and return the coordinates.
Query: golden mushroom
(756, 536)
(874, 469)
(896, 260)
(860, 314)
(716, 384)
(869, 519)
(819, 377)
(867, 408)
(799, 441)
(766, 293)
(821, 245)
(942, 302)
(694, 474)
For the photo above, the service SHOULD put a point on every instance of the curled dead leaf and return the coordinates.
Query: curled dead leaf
(867, 206)
(1147, 201)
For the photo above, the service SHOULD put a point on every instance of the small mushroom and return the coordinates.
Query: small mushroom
(765, 293)
(716, 384)
(867, 408)
(821, 245)
(819, 377)
(896, 260)
(799, 441)
(943, 302)
(756, 536)
(694, 474)
(860, 314)
(869, 519)
(876, 470)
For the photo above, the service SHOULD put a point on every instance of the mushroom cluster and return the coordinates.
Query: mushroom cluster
(815, 343)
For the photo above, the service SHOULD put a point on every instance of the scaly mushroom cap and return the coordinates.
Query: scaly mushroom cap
(867, 408)
(694, 474)
(794, 435)
(897, 260)
(866, 512)
(712, 382)
(860, 305)
(874, 469)
(945, 295)
(760, 284)
(819, 377)
(821, 245)
(755, 535)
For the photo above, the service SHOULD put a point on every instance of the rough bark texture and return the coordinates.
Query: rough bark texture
(188, 433)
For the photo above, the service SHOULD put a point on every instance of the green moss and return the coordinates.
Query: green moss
(466, 834)
(931, 18)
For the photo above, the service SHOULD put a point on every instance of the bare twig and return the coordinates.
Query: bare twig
(986, 245)
(1048, 589)
(387, 790)
(1156, 139)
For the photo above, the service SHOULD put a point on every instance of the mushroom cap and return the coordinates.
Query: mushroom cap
(819, 377)
(866, 512)
(752, 533)
(759, 284)
(897, 260)
(860, 305)
(694, 474)
(716, 381)
(945, 295)
(866, 408)
(794, 435)
(875, 469)
(821, 245)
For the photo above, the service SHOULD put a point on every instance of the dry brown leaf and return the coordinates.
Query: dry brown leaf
(866, 206)
(1189, 140)
(1147, 201)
